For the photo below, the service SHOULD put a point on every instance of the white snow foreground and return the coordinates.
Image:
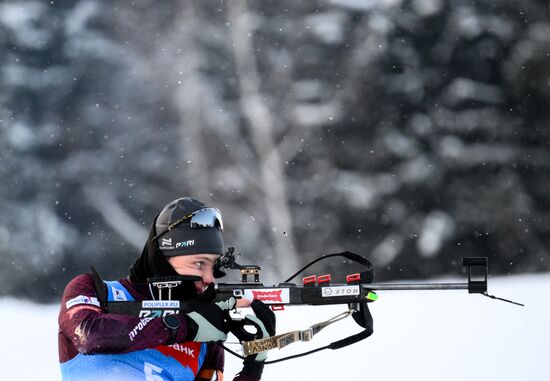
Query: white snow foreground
(420, 335)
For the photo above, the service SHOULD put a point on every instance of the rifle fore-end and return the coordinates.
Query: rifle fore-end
(292, 294)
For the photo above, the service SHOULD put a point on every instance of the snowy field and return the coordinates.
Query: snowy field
(424, 336)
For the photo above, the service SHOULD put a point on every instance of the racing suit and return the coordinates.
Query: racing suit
(94, 345)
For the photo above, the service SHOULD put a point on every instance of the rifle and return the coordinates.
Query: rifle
(358, 290)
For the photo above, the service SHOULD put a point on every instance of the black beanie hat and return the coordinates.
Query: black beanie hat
(182, 239)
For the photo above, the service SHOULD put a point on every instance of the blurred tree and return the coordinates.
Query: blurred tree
(439, 143)
(33, 82)
(74, 104)
(411, 131)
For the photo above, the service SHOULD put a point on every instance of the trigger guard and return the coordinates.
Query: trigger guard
(236, 327)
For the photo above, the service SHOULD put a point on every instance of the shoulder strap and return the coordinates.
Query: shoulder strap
(100, 288)
(109, 291)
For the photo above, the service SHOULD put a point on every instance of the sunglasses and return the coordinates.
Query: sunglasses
(202, 218)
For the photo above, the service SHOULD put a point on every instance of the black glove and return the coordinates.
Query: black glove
(265, 323)
(207, 321)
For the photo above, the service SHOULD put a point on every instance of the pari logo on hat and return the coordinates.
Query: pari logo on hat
(188, 243)
(166, 244)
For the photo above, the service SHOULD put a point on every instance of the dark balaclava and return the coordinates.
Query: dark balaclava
(182, 239)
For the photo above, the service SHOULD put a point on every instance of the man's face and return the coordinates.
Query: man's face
(198, 264)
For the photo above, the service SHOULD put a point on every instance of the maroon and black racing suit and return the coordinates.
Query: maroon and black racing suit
(103, 346)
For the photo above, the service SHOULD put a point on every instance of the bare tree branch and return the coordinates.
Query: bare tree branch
(189, 101)
(115, 216)
(261, 124)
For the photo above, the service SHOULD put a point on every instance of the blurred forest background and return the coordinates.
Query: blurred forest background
(414, 132)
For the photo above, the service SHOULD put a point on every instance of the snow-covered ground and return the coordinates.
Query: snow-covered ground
(438, 335)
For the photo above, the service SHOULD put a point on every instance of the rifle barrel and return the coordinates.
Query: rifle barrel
(416, 286)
